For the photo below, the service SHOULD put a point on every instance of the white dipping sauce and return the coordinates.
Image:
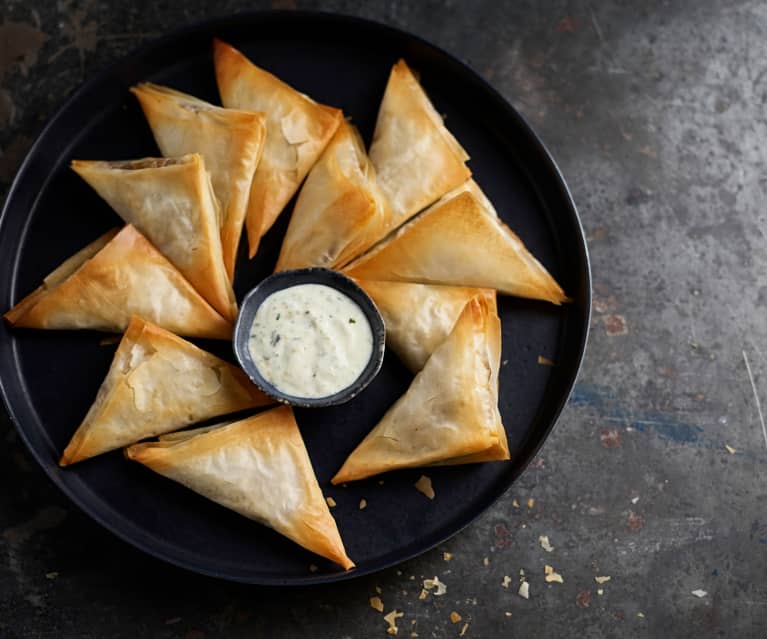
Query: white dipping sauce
(310, 340)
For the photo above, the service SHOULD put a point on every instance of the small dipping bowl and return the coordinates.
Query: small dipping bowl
(287, 279)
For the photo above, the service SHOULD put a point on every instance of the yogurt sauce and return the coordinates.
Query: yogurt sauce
(310, 340)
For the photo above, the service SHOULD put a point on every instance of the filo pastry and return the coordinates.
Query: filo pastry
(417, 160)
(158, 382)
(119, 275)
(297, 130)
(340, 210)
(418, 317)
(258, 467)
(170, 201)
(229, 140)
(459, 241)
(449, 414)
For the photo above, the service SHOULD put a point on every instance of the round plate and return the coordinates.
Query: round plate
(50, 378)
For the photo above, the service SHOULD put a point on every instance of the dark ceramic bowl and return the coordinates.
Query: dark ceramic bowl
(286, 279)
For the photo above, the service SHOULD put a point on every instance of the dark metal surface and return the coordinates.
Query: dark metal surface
(281, 280)
(49, 378)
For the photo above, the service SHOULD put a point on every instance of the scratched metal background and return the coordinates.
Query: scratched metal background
(656, 114)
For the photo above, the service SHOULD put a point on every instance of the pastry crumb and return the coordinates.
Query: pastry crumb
(600, 591)
(313, 568)
(530, 502)
(515, 503)
(380, 482)
(730, 449)
(602, 580)
(447, 556)
(455, 617)
(108, 341)
(424, 594)
(485, 562)
(331, 502)
(363, 504)
(521, 572)
(378, 589)
(423, 485)
(376, 604)
(551, 576)
(640, 615)
(545, 544)
(507, 613)
(463, 630)
(524, 590)
(506, 581)
(439, 587)
(545, 361)
(391, 619)
(699, 593)
(51, 575)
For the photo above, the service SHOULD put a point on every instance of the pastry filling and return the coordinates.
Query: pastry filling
(310, 340)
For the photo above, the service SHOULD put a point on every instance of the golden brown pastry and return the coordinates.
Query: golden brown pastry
(115, 277)
(229, 140)
(157, 383)
(418, 317)
(340, 210)
(449, 415)
(416, 158)
(459, 241)
(297, 130)
(170, 201)
(259, 468)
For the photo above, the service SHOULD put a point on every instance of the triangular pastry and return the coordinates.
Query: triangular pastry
(170, 201)
(340, 210)
(449, 415)
(418, 317)
(119, 275)
(416, 158)
(157, 383)
(229, 140)
(459, 241)
(258, 467)
(297, 130)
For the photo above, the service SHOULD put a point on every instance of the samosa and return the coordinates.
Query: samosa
(157, 383)
(449, 414)
(258, 467)
(416, 158)
(340, 210)
(459, 241)
(170, 201)
(418, 317)
(103, 285)
(229, 140)
(297, 130)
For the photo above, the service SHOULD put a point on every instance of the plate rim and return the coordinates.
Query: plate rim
(221, 22)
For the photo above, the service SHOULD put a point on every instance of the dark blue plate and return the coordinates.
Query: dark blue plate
(50, 378)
